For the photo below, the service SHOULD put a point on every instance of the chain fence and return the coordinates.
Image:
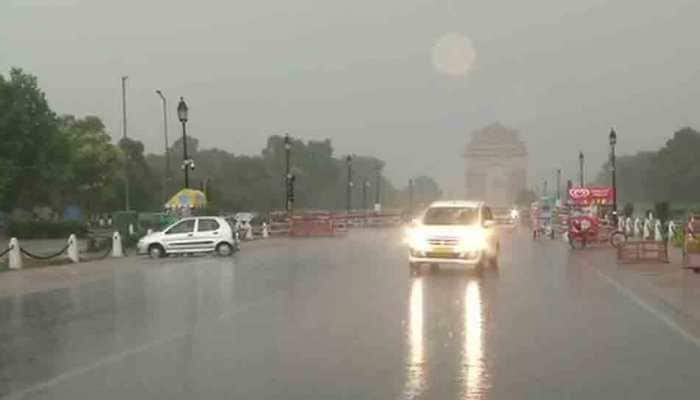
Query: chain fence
(7, 250)
(44, 256)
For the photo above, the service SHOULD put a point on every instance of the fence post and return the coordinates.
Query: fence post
(14, 257)
(657, 231)
(628, 226)
(73, 248)
(117, 250)
(265, 232)
(671, 230)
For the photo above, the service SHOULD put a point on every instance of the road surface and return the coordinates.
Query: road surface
(341, 318)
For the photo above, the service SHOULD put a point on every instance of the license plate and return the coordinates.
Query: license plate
(443, 249)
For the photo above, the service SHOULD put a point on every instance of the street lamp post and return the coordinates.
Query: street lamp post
(187, 163)
(580, 168)
(348, 193)
(613, 141)
(365, 186)
(558, 184)
(287, 174)
(377, 193)
(127, 196)
(410, 196)
(167, 151)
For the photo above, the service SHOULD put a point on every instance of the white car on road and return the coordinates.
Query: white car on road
(454, 232)
(191, 235)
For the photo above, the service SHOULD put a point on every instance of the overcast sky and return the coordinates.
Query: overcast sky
(405, 80)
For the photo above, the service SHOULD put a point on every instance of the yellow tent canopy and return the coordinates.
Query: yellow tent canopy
(187, 198)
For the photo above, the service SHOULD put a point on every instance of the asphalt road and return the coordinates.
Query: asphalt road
(341, 318)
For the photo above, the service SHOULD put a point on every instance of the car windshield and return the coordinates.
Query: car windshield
(451, 216)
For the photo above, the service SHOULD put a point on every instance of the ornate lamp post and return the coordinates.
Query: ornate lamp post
(187, 163)
(613, 141)
(348, 193)
(288, 179)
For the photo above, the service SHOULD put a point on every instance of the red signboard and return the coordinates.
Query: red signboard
(585, 196)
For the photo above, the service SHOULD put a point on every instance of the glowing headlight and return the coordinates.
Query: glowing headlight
(514, 213)
(416, 239)
(473, 240)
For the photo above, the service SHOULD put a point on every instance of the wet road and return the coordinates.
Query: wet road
(342, 319)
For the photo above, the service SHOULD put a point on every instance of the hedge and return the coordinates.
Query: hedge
(45, 229)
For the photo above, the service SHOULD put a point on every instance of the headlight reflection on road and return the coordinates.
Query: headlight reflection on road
(415, 373)
(472, 354)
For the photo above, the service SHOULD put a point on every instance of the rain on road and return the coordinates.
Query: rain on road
(342, 318)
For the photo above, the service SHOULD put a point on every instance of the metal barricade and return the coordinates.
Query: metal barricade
(642, 251)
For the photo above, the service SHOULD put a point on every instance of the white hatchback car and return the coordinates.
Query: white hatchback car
(191, 235)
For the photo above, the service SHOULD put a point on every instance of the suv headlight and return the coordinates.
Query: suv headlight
(417, 240)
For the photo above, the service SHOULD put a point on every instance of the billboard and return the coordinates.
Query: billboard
(586, 196)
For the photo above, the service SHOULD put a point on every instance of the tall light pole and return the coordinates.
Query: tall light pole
(365, 186)
(167, 151)
(287, 174)
(410, 196)
(127, 202)
(580, 168)
(187, 163)
(378, 187)
(613, 141)
(559, 185)
(348, 192)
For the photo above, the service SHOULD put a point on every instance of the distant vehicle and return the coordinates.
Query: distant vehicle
(455, 232)
(191, 235)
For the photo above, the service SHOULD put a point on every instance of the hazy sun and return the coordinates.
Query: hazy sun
(453, 54)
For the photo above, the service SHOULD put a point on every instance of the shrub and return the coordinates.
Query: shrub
(45, 229)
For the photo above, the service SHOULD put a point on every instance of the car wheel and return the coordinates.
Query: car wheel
(156, 251)
(224, 249)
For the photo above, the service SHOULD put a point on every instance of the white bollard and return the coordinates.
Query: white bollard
(628, 226)
(249, 233)
(265, 232)
(131, 230)
(621, 224)
(657, 231)
(14, 256)
(149, 232)
(73, 249)
(647, 230)
(637, 227)
(671, 230)
(117, 250)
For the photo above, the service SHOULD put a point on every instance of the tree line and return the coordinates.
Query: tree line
(671, 173)
(63, 160)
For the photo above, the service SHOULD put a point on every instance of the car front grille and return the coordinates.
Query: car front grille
(443, 241)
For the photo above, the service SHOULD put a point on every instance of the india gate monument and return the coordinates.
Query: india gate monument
(496, 166)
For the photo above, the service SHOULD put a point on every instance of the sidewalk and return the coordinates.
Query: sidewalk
(670, 285)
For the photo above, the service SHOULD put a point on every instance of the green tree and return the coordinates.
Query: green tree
(33, 155)
(144, 187)
(94, 161)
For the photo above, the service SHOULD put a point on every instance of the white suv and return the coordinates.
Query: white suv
(455, 232)
(191, 235)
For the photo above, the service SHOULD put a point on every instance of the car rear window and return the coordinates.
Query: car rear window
(207, 225)
(451, 216)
